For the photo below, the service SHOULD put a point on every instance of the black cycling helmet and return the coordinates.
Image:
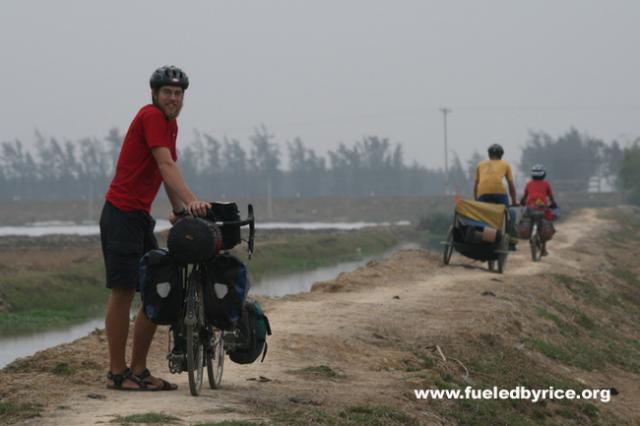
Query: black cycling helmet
(169, 76)
(496, 150)
(538, 172)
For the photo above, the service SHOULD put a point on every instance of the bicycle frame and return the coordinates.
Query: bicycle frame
(205, 344)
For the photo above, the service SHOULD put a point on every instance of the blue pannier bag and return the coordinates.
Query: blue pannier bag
(161, 289)
(226, 288)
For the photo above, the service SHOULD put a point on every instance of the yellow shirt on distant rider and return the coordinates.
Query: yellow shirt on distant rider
(489, 175)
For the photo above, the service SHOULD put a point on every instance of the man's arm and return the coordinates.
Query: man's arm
(512, 192)
(175, 183)
(512, 187)
(475, 185)
(176, 204)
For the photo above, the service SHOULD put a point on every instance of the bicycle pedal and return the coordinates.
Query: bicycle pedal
(177, 363)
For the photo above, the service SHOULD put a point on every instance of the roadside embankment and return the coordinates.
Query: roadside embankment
(354, 350)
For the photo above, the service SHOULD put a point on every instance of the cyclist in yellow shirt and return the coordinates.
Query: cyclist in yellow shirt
(489, 186)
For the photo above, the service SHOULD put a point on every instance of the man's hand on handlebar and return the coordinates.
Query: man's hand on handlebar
(194, 208)
(198, 208)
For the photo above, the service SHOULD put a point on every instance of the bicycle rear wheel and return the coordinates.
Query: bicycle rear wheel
(215, 359)
(536, 244)
(195, 347)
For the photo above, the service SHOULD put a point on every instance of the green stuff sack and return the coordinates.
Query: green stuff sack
(253, 329)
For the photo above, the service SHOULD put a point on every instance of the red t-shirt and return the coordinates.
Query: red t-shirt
(537, 192)
(137, 179)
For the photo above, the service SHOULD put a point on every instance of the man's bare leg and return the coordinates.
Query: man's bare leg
(143, 332)
(117, 330)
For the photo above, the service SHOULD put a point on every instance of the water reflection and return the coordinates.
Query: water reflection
(40, 229)
(21, 346)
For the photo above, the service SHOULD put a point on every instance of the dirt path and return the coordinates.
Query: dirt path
(357, 324)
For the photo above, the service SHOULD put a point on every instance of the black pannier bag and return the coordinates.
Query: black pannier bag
(194, 239)
(226, 287)
(227, 212)
(253, 329)
(160, 282)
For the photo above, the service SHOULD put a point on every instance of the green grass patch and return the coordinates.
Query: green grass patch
(564, 327)
(11, 411)
(581, 288)
(33, 320)
(39, 299)
(320, 371)
(626, 275)
(228, 423)
(63, 369)
(420, 361)
(146, 418)
(364, 415)
(375, 415)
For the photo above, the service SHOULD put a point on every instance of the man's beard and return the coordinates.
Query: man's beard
(169, 115)
(174, 114)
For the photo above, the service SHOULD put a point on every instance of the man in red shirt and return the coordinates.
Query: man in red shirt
(536, 193)
(147, 160)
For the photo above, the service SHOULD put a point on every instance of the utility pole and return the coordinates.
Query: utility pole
(444, 112)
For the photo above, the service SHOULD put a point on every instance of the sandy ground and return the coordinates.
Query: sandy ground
(361, 324)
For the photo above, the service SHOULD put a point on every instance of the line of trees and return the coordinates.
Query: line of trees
(216, 168)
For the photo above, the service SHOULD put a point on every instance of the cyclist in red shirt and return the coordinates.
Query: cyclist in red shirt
(536, 193)
(147, 160)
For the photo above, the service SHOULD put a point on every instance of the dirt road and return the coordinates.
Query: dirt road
(352, 341)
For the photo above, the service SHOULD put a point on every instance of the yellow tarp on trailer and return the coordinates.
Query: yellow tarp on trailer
(491, 214)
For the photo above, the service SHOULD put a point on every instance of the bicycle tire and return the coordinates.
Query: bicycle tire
(195, 347)
(491, 265)
(501, 261)
(448, 247)
(215, 359)
(535, 244)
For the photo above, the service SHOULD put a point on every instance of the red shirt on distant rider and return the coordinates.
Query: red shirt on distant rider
(538, 190)
(536, 194)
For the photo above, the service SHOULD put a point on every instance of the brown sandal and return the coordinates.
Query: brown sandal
(144, 380)
(118, 379)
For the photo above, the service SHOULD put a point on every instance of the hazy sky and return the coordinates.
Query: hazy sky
(328, 71)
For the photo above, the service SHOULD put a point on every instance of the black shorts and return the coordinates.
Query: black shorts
(125, 238)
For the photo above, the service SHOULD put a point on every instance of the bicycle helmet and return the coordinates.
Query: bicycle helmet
(496, 150)
(169, 75)
(538, 172)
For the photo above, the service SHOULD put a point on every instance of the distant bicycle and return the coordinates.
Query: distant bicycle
(535, 240)
(536, 225)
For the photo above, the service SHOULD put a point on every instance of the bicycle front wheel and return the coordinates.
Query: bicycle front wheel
(215, 359)
(195, 347)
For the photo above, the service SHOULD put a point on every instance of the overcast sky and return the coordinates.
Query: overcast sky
(328, 71)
